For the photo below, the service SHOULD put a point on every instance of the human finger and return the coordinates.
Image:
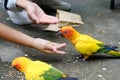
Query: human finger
(58, 47)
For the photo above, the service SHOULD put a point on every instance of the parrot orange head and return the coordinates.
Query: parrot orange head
(20, 63)
(67, 32)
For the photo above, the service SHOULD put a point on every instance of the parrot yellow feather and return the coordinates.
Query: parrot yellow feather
(38, 70)
(86, 44)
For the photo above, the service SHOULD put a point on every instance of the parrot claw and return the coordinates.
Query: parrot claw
(84, 60)
(85, 57)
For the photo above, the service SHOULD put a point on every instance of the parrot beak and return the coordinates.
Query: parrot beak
(59, 32)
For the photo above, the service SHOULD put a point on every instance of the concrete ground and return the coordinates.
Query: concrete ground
(100, 22)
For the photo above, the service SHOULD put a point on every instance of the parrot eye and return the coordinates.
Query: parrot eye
(65, 32)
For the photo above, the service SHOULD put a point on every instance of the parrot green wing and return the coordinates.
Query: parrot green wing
(42, 71)
(52, 74)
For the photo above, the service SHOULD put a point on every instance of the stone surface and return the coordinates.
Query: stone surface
(99, 22)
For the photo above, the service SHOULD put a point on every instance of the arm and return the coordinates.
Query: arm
(17, 37)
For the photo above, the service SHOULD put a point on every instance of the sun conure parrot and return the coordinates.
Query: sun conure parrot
(38, 70)
(85, 44)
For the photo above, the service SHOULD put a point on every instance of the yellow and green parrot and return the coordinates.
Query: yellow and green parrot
(85, 44)
(38, 70)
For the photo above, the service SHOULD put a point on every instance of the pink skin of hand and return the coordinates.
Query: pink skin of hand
(35, 13)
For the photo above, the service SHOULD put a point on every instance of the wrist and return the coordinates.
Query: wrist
(40, 44)
(22, 3)
(36, 43)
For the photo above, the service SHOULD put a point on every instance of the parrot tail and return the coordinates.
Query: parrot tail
(109, 50)
(114, 53)
(68, 78)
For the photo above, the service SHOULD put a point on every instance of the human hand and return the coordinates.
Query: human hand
(35, 13)
(48, 46)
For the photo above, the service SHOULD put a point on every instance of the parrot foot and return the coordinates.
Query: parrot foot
(84, 60)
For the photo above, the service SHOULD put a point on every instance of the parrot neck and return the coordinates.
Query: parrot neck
(75, 41)
(24, 66)
(75, 38)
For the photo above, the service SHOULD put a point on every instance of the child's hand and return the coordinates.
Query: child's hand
(48, 47)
